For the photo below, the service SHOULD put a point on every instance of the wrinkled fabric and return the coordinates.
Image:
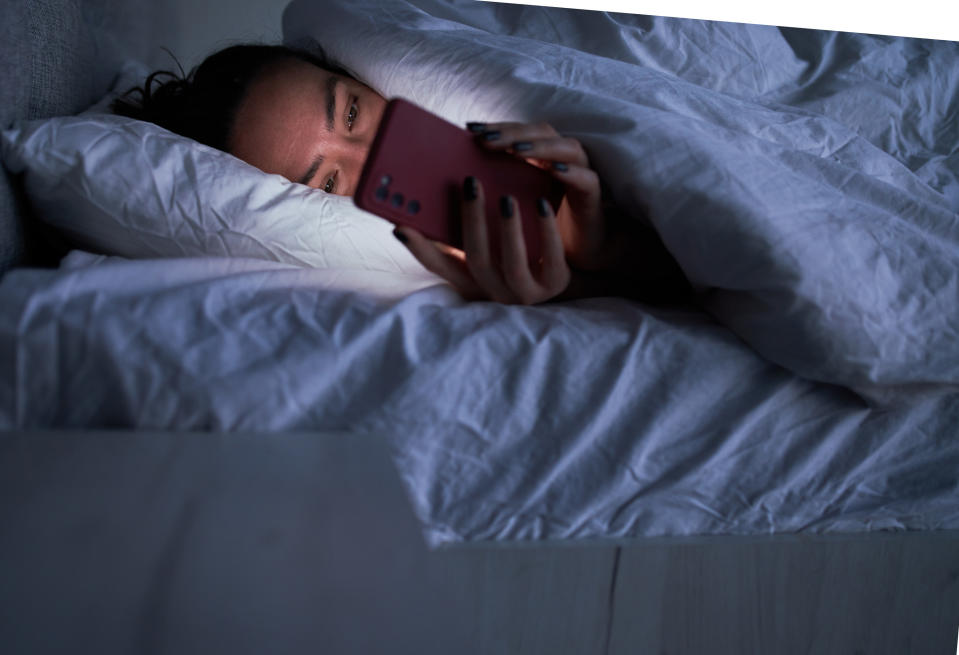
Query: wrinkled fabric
(806, 182)
(598, 418)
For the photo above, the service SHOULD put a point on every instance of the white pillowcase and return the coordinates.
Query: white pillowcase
(130, 188)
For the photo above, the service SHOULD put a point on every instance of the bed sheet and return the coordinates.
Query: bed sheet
(599, 418)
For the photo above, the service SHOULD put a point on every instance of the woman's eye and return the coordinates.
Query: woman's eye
(350, 117)
(330, 185)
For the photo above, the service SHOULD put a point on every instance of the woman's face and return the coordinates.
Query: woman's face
(308, 125)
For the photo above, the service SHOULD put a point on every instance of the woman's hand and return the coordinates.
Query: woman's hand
(576, 234)
(587, 239)
(479, 272)
(584, 252)
(608, 256)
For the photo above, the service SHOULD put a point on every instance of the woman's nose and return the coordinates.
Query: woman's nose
(352, 157)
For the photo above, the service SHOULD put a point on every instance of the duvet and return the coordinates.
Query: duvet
(806, 182)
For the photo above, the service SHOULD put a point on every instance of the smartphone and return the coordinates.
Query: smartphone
(414, 176)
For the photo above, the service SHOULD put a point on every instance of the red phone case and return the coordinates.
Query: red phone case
(415, 170)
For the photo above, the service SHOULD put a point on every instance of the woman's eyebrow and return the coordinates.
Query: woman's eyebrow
(331, 82)
(314, 167)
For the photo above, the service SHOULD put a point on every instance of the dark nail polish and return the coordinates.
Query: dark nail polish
(470, 190)
(542, 205)
(506, 207)
(522, 146)
(560, 166)
(400, 236)
(476, 128)
(492, 135)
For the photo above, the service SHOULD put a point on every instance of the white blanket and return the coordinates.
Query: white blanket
(590, 419)
(824, 233)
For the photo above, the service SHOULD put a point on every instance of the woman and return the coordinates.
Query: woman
(298, 115)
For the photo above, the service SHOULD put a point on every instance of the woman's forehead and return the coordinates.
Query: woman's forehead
(276, 124)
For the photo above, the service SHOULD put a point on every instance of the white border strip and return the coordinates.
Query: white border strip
(927, 19)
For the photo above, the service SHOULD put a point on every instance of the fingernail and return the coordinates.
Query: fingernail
(476, 128)
(521, 146)
(400, 236)
(542, 205)
(469, 188)
(492, 135)
(506, 207)
(560, 166)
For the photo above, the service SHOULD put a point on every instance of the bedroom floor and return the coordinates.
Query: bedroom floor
(893, 594)
(164, 542)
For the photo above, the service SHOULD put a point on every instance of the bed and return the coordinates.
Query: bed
(807, 183)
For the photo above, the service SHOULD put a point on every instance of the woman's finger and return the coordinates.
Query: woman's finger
(479, 259)
(509, 132)
(538, 141)
(549, 151)
(513, 259)
(433, 259)
(501, 136)
(554, 274)
(583, 181)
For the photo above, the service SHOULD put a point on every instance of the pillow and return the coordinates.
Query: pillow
(130, 188)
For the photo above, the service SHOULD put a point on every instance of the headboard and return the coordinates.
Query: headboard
(60, 56)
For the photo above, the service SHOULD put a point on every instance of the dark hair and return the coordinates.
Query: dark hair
(203, 104)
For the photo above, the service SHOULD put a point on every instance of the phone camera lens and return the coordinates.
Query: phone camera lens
(397, 200)
(382, 192)
(413, 206)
